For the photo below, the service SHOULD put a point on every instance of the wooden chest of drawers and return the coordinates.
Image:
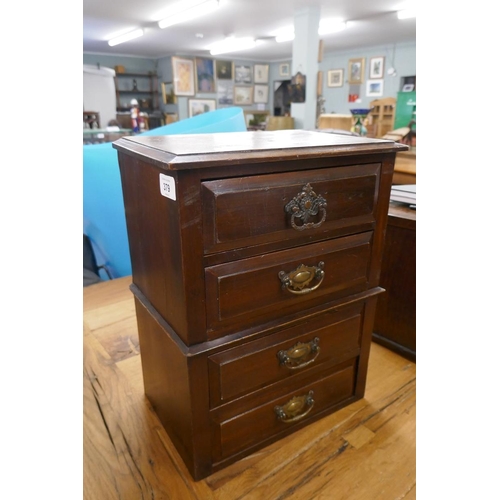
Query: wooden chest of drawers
(255, 264)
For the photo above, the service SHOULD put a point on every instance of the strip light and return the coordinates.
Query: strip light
(232, 44)
(407, 13)
(126, 37)
(183, 13)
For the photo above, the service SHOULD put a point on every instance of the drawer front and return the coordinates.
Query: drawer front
(294, 353)
(289, 207)
(282, 414)
(271, 285)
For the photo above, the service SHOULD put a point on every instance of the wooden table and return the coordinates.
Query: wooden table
(362, 452)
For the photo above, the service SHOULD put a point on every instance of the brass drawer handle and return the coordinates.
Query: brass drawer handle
(296, 281)
(293, 357)
(305, 205)
(298, 407)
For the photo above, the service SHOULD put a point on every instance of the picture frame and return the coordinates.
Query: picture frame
(335, 78)
(260, 94)
(377, 67)
(200, 106)
(224, 69)
(167, 92)
(284, 69)
(183, 71)
(261, 73)
(356, 70)
(243, 96)
(205, 74)
(243, 74)
(225, 92)
(375, 88)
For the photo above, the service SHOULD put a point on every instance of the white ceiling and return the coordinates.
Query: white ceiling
(372, 23)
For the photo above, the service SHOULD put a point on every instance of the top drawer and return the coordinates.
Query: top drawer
(292, 207)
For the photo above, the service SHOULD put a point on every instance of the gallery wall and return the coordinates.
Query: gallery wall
(400, 57)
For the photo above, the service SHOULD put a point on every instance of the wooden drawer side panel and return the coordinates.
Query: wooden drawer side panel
(233, 372)
(251, 210)
(261, 423)
(252, 287)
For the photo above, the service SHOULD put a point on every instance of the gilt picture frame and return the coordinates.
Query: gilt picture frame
(356, 70)
(200, 106)
(183, 71)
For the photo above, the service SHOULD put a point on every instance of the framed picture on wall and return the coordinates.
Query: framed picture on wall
(260, 94)
(205, 74)
(243, 74)
(375, 88)
(199, 106)
(225, 92)
(335, 78)
(224, 70)
(377, 67)
(183, 71)
(261, 73)
(167, 92)
(243, 95)
(285, 69)
(356, 70)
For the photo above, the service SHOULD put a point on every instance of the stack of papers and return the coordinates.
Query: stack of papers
(405, 193)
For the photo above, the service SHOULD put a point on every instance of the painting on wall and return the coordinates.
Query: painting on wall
(284, 69)
(199, 106)
(356, 70)
(261, 94)
(335, 78)
(243, 74)
(183, 70)
(205, 75)
(224, 70)
(225, 92)
(261, 73)
(298, 88)
(377, 67)
(375, 88)
(243, 95)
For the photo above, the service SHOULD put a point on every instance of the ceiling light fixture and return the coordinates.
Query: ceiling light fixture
(407, 13)
(182, 13)
(327, 26)
(126, 37)
(231, 44)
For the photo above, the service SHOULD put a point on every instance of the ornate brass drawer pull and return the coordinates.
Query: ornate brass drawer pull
(293, 357)
(305, 205)
(296, 281)
(298, 407)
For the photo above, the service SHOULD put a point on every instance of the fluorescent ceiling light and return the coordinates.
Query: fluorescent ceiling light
(126, 37)
(182, 12)
(232, 44)
(407, 13)
(285, 35)
(327, 26)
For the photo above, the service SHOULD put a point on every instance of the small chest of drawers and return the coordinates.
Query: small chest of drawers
(255, 264)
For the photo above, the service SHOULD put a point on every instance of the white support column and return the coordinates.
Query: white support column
(305, 61)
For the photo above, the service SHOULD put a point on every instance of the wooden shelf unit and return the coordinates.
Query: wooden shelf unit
(144, 90)
(382, 115)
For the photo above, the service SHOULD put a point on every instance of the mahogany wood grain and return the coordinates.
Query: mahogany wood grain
(363, 451)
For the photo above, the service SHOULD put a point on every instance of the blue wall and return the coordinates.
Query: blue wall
(400, 56)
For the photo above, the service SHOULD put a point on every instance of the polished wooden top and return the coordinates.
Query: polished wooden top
(202, 150)
(364, 451)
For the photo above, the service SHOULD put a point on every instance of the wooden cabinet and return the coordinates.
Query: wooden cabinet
(255, 264)
(381, 116)
(143, 87)
(395, 322)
